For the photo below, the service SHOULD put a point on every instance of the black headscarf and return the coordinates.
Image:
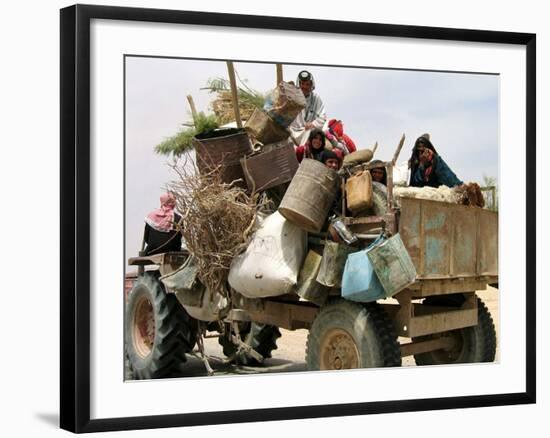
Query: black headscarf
(316, 154)
(414, 161)
(383, 168)
(328, 154)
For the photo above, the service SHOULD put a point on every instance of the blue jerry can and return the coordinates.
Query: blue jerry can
(360, 282)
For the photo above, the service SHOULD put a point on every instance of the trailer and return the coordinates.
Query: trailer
(438, 319)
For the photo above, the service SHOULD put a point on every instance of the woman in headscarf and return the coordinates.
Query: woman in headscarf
(339, 140)
(160, 234)
(428, 168)
(379, 173)
(313, 148)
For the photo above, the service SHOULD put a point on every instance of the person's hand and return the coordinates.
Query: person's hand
(309, 126)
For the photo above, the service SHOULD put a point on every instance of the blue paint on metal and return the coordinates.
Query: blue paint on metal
(435, 222)
(435, 254)
(360, 283)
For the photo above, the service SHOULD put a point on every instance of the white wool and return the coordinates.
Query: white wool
(442, 194)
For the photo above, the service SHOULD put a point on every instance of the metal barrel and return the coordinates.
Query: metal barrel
(224, 148)
(310, 195)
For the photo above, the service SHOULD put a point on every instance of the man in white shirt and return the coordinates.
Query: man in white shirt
(313, 115)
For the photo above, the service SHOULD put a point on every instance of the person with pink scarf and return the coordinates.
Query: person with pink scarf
(160, 234)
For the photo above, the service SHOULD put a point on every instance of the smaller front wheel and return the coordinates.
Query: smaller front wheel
(347, 335)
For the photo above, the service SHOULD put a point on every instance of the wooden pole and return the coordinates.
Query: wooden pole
(279, 74)
(234, 93)
(398, 150)
(193, 108)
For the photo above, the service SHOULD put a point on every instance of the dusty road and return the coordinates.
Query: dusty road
(290, 354)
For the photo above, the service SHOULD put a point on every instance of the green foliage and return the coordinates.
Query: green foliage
(181, 142)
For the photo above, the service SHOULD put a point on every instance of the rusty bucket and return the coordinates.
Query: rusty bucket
(224, 148)
(310, 195)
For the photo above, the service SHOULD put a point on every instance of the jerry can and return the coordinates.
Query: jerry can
(360, 282)
(359, 191)
(393, 265)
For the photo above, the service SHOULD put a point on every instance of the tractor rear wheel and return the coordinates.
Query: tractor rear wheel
(158, 331)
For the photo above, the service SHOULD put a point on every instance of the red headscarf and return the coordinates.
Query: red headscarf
(336, 126)
(162, 219)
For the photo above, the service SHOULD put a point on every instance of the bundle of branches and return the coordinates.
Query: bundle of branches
(470, 194)
(217, 224)
(222, 106)
(181, 142)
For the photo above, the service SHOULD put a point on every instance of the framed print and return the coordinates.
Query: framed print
(267, 218)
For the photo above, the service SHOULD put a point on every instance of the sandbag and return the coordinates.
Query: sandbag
(199, 302)
(401, 174)
(212, 306)
(358, 157)
(264, 129)
(284, 103)
(272, 261)
(183, 278)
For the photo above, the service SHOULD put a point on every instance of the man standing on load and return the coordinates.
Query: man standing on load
(313, 115)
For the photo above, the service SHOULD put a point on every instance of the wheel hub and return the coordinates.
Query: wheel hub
(144, 327)
(453, 353)
(338, 351)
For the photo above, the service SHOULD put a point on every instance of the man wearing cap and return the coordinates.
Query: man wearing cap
(313, 115)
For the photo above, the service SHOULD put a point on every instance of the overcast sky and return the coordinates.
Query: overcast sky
(460, 111)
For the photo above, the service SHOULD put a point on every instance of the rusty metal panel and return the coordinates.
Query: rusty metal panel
(270, 169)
(464, 247)
(488, 243)
(431, 287)
(442, 322)
(285, 315)
(437, 227)
(449, 240)
(409, 228)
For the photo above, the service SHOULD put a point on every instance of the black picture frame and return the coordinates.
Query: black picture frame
(75, 217)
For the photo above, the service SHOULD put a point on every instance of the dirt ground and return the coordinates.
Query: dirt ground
(290, 354)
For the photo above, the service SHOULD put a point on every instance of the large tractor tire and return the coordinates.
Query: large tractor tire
(473, 344)
(158, 331)
(347, 335)
(261, 337)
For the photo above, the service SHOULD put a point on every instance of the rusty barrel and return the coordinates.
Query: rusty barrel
(310, 195)
(223, 148)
